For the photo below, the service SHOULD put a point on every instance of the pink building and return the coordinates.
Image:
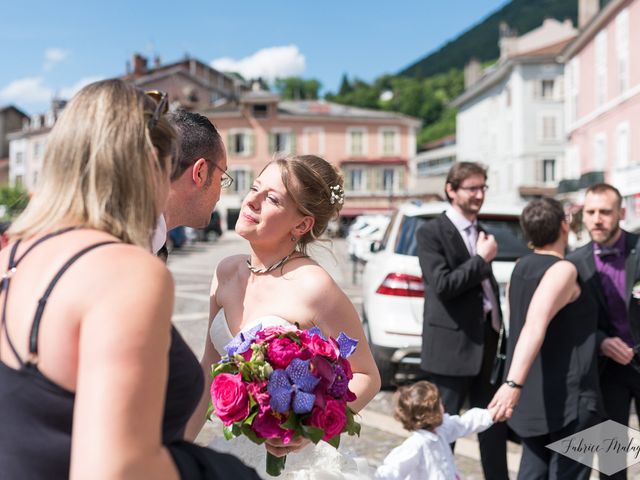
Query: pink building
(371, 147)
(603, 102)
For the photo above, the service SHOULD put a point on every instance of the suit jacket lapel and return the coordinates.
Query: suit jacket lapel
(453, 235)
(630, 265)
(592, 276)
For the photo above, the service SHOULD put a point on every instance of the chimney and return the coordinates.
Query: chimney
(587, 9)
(139, 65)
(472, 72)
(507, 41)
(156, 61)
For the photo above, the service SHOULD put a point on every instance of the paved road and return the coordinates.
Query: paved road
(192, 267)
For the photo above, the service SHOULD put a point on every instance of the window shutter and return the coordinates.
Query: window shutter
(401, 177)
(251, 144)
(272, 143)
(293, 143)
(231, 144)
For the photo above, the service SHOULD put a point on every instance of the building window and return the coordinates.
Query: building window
(600, 152)
(601, 68)
(546, 89)
(389, 142)
(622, 48)
(549, 170)
(19, 182)
(434, 166)
(281, 141)
(356, 183)
(261, 110)
(35, 179)
(622, 145)
(240, 143)
(388, 176)
(574, 84)
(549, 128)
(37, 150)
(19, 159)
(242, 180)
(356, 142)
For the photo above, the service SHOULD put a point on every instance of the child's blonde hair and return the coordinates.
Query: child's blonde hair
(418, 406)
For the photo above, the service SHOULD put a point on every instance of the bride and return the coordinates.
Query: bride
(287, 208)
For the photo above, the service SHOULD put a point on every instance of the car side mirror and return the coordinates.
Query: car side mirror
(374, 247)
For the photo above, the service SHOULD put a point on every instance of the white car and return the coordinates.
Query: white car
(365, 230)
(393, 288)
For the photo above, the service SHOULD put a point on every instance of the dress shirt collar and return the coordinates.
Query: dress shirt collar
(458, 220)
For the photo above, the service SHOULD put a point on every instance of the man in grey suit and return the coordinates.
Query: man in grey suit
(609, 268)
(462, 311)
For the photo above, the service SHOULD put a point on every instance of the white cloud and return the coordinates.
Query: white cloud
(68, 92)
(268, 63)
(53, 56)
(26, 90)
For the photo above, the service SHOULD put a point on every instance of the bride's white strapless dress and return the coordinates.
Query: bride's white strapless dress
(314, 462)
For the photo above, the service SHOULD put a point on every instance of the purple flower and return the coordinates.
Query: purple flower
(242, 342)
(340, 383)
(316, 331)
(293, 387)
(346, 344)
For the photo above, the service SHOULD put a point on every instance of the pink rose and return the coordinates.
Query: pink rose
(266, 425)
(318, 346)
(270, 333)
(258, 390)
(280, 352)
(332, 418)
(230, 398)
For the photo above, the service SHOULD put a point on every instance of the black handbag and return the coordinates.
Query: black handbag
(497, 370)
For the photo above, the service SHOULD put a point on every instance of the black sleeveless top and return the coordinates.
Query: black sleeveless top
(564, 374)
(36, 414)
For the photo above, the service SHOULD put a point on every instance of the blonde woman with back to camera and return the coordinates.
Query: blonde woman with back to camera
(86, 343)
(288, 208)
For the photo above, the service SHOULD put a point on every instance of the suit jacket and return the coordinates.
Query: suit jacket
(582, 258)
(453, 323)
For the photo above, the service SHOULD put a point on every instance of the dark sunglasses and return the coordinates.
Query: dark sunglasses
(162, 106)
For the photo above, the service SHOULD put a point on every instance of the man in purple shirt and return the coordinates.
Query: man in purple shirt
(608, 265)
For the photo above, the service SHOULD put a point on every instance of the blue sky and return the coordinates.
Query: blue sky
(50, 47)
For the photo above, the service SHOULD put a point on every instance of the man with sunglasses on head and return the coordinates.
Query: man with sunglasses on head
(461, 310)
(199, 175)
(609, 266)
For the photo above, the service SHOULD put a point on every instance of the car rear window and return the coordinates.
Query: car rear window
(506, 229)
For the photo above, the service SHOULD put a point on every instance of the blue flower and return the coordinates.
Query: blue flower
(242, 342)
(316, 331)
(346, 344)
(293, 387)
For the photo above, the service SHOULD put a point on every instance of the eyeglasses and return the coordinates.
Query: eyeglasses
(226, 180)
(475, 190)
(162, 106)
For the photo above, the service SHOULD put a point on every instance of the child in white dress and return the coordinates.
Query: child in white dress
(426, 454)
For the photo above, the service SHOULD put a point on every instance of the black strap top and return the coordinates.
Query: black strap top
(564, 375)
(36, 414)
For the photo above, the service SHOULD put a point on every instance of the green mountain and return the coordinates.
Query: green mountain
(481, 41)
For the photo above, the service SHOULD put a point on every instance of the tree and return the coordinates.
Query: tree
(345, 86)
(296, 88)
(13, 200)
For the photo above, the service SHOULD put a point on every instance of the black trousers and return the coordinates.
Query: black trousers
(620, 386)
(540, 463)
(455, 390)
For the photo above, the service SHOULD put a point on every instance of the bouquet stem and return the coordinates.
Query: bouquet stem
(275, 465)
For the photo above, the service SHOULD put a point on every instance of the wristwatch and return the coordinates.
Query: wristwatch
(513, 384)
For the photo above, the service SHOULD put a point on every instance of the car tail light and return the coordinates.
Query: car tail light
(402, 285)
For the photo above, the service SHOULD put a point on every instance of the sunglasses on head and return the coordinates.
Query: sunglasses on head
(162, 106)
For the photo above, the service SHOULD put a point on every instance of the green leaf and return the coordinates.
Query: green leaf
(227, 432)
(312, 433)
(210, 410)
(292, 423)
(275, 465)
(251, 435)
(334, 441)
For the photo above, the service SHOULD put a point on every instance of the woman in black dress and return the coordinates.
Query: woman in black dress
(551, 389)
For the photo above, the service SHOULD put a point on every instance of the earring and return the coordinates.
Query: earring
(294, 239)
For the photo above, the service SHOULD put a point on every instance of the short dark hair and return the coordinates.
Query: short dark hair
(197, 138)
(418, 406)
(541, 220)
(459, 172)
(602, 188)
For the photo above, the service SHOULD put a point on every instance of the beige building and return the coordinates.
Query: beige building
(371, 147)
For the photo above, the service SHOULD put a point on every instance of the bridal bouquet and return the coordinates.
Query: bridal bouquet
(283, 382)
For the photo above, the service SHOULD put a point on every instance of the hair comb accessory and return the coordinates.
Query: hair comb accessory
(337, 194)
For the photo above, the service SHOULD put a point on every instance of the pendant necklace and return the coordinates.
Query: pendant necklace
(259, 271)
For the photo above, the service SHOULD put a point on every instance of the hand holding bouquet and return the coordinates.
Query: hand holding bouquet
(282, 382)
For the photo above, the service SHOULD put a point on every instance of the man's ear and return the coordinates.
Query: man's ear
(200, 172)
(303, 226)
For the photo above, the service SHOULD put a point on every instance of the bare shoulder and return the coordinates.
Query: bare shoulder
(313, 281)
(229, 266)
(561, 273)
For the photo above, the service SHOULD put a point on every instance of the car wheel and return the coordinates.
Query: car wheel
(382, 358)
